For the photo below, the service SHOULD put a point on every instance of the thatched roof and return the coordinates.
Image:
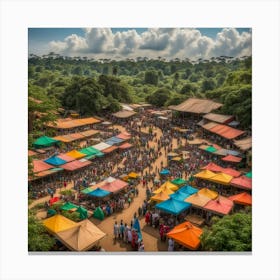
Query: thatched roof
(218, 118)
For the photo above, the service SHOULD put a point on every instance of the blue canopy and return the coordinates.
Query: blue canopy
(54, 160)
(189, 190)
(180, 195)
(136, 225)
(99, 193)
(173, 206)
(114, 140)
(164, 172)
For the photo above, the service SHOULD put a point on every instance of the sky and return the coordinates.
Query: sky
(123, 43)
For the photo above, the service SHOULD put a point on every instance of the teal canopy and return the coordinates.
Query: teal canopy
(178, 181)
(91, 151)
(51, 212)
(83, 213)
(98, 214)
(249, 174)
(211, 149)
(44, 142)
(87, 190)
(180, 195)
(68, 206)
(173, 206)
(188, 190)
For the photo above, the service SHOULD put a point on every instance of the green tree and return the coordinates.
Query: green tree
(230, 233)
(208, 84)
(159, 97)
(38, 237)
(151, 77)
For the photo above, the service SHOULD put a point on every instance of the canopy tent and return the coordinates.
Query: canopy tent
(58, 223)
(44, 142)
(173, 206)
(198, 200)
(232, 158)
(188, 190)
(40, 165)
(221, 152)
(54, 160)
(205, 174)
(164, 189)
(65, 157)
(169, 185)
(179, 195)
(98, 214)
(209, 193)
(187, 235)
(172, 154)
(209, 125)
(124, 114)
(64, 138)
(133, 175)
(90, 151)
(218, 118)
(87, 190)
(110, 149)
(125, 146)
(76, 164)
(242, 182)
(159, 197)
(89, 133)
(213, 167)
(249, 174)
(197, 106)
(226, 131)
(32, 153)
(210, 149)
(114, 186)
(177, 159)
(47, 172)
(221, 205)
(68, 206)
(75, 154)
(81, 237)
(114, 140)
(98, 193)
(53, 200)
(164, 172)
(101, 146)
(124, 135)
(244, 144)
(179, 182)
(195, 141)
(221, 178)
(231, 172)
(241, 198)
(72, 123)
(83, 212)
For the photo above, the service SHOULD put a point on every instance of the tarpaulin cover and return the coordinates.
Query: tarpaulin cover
(221, 178)
(205, 174)
(83, 212)
(226, 131)
(68, 206)
(114, 140)
(87, 190)
(74, 165)
(125, 146)
(198, 200)
(71, 123)
(179, 182)
(169, 185)
(40, 165)
(58, 223)
(54, 160)
(164, 189)
(90, 132)
(81, 237)
(133, 175)
(221, 205)
(101, 146)
(231, 158)
(213, 167)
(110, 149)
(89, 151)
(54, 200)
(242, 198)
(164, 172)
(64, 138)
(180, 195)
(159, 197)
(211, 149)
(75, 154)
(98, 214)
(173, 206)
(242, 182)
(45, 141)
(65, 157)
(244, 144)
(124, 135)
(114, 186)
(209, 193)
(187, 235)
(124, 114)
(189, 190)
(249, 174)
(231, 172)
(99, 193)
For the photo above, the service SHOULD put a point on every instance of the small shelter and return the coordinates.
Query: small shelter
(198, 200)
(242, 198)
(54, 160)
(98, 214)
(209, 193)
(173, 206)
(189, 190)
(58, 223)
(232, 158)
(75, 154)
(159, 197)
(98, 192)
(221, 178)
(242, 182)
(220, 206)
(44, 142)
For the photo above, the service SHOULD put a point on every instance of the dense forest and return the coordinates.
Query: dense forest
(91, 87)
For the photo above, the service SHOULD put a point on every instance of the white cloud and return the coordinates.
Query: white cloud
(164, 42)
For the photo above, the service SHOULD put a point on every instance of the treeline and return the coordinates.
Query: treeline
(91, 87)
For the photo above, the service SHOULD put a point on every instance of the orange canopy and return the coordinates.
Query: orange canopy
(125, 146)
(221, 205)
(109, 150)
(124, 135)
(242, 198)
(213, 167)
(226, 131)
(186, 234)
(71, 123)
(231, 172)
(114, 186)
(242, 182)
(76, 164)
(40, 165)
(221, 178)
(75, 154)
(231, 158)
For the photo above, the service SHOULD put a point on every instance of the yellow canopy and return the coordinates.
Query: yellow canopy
(75, 154)
(159, 197)
(198, 200)
(177, 158)
(81, 237)
(172, 154)
(58, 223)
(205, 174)
(133, 175)
(221, 178)
(164, 189)
(169, 185)
(208, 193)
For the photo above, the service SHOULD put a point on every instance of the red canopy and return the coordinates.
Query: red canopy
(76, 164)
(125, 146)
(221, 205)
(65, 157)
(109, 149)
(226, 131)
(114, 186)
(213, 167)
(242, 182)
(53, 200)
(40, 165)
(231, 158)
(242, 198)
(124, 135)
(231, 172)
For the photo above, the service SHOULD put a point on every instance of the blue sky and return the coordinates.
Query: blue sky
(121, 43)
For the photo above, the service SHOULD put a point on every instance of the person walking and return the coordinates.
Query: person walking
(122, 229)
(116, 230)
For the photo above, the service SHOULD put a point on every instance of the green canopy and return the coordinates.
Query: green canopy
(83, 213)
(179, 182)
(87, 190)
(51, 212)
(249, 174)
(90, 157)
(68, 206)
(91, 151)
(45, 141)
(98, 214)
(211, 149)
